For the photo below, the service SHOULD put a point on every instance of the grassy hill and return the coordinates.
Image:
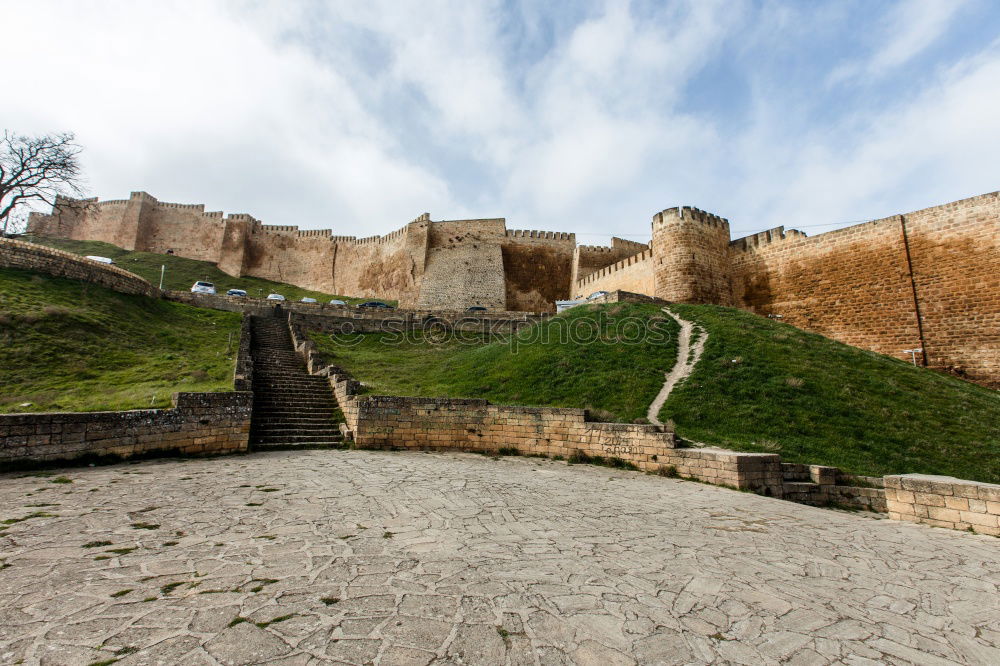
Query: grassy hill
(762, 385)
(181, 273)
(75, 346)
(543, 366)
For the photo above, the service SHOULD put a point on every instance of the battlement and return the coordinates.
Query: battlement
(423, 217)
(197, 207)
(545, 235)
(765, 238)
(594, 248)
(313, 233)
(617, 266)
(344, 239)
(142, 196)
(273, 228)
(625, 244)
(690, 213)
(391, 236)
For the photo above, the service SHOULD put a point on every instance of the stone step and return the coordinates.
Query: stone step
(294, 439)
(296, 446)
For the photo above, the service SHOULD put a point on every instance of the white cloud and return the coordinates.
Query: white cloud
(909, 29)
(199, 102)
(932, 148)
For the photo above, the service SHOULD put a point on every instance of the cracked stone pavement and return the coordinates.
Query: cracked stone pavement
(326, 557)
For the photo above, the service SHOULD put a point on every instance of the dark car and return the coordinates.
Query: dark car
(375, 304)
(475, 308)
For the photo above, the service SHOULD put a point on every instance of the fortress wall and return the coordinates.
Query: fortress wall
(286, 257)
(389, 266)
(849, 284)
(463, 265)
(588, 259)
(185, 229)
(633, 274)
(955, 254)
(537, 269)
(855, 285)
(114, 222)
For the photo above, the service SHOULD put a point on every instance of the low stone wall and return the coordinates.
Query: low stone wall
(243, 374)
(198, 424)
(32, 257)
(944, 501)
(820, 485)
(478, 425)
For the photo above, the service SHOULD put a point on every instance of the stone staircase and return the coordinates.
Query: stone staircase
(291, 408)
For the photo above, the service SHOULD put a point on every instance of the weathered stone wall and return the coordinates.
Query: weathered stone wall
(305, 261)
(390, 266)
(537, 269)
(928, 279)
(944, 501)
(588, 259)
(464, 265)
(198, 424)
(32, 257)
(633, 274)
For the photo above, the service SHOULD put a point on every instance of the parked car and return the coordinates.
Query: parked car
(275, 297)
(337, 301)
(596, 295)
(307, 299)
(475, 308)
(375, 304)
(203, 288)
(237, 292)
(103, 260)
(566, 305)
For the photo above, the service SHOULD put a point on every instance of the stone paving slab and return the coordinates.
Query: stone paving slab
(362, 557)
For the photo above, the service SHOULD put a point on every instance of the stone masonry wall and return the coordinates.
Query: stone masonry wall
(633, 274)
(32, 257)
(464, 266)
(199, 424)
(865, 284)
(943, 501)
(537, 269)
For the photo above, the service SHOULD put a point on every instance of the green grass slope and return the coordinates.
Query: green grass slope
(547, 365)
(181, 273)
(766, 386)
(75, 346)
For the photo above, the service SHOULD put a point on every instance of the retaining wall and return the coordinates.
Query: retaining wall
(944, 501)
(32, 257)
(198, 424)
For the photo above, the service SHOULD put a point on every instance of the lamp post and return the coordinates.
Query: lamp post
(163, 270)
(913, 353)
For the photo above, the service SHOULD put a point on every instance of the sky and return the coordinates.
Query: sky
(584, 116)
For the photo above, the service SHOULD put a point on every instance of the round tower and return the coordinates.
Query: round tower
(691, 257)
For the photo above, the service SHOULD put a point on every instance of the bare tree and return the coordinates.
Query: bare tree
(33, 170)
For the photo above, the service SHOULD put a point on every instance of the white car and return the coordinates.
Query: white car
(596, 295)
(307, 299)
(275, 297)
(337, 301)
(203, 288)
(566, 305)
(103, 260)
(242, 293)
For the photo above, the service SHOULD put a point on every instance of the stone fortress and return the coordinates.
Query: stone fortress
(927, 280)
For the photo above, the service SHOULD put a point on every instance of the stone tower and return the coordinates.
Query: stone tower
(691, 257)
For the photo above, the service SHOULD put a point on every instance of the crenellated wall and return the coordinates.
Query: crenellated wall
(538, 268)
(928, 279)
